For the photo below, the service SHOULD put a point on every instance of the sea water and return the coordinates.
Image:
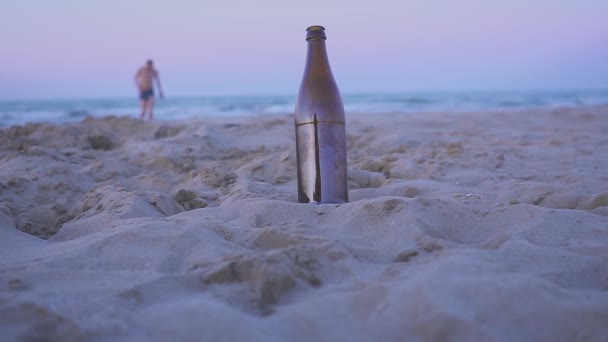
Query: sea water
(19, 112)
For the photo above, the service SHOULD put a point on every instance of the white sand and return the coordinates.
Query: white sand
(479, 226)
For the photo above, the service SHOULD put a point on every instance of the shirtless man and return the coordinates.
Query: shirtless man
(144, 79)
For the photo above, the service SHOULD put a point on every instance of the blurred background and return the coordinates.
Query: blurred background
(62, 59)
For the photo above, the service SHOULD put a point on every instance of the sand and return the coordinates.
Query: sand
(467, 227)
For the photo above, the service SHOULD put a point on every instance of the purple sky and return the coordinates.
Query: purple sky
(87, 49)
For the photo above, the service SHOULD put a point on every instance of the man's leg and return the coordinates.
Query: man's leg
(151, 107)
(143, 105)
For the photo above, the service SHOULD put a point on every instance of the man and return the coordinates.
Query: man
(144, 79)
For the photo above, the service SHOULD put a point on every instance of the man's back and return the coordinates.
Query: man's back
(145, 77)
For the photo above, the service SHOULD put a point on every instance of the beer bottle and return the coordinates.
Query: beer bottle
(320, 130)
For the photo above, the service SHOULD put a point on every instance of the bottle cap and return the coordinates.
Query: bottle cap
(316, 31)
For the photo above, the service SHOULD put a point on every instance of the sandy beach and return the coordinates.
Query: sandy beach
(485, 226)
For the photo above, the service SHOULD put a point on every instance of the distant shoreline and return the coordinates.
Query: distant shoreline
(175, 108)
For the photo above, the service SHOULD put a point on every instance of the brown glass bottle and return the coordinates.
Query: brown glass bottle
(320, 128)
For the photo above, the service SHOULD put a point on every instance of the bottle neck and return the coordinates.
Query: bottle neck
(316, 58)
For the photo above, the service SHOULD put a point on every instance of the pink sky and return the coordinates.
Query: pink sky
(75, 49)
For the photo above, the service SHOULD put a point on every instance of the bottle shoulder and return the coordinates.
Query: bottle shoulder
(323, 101)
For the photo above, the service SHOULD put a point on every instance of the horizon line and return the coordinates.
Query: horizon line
(344, 93)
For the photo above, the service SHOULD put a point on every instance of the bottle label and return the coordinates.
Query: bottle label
(322, 162)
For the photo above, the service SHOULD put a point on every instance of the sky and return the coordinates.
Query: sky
(91, 49)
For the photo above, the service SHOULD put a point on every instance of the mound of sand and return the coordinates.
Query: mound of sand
(475, 226)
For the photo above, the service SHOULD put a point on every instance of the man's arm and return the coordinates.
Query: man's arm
(160, 89)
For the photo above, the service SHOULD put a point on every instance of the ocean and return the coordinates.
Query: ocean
(19, 112)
